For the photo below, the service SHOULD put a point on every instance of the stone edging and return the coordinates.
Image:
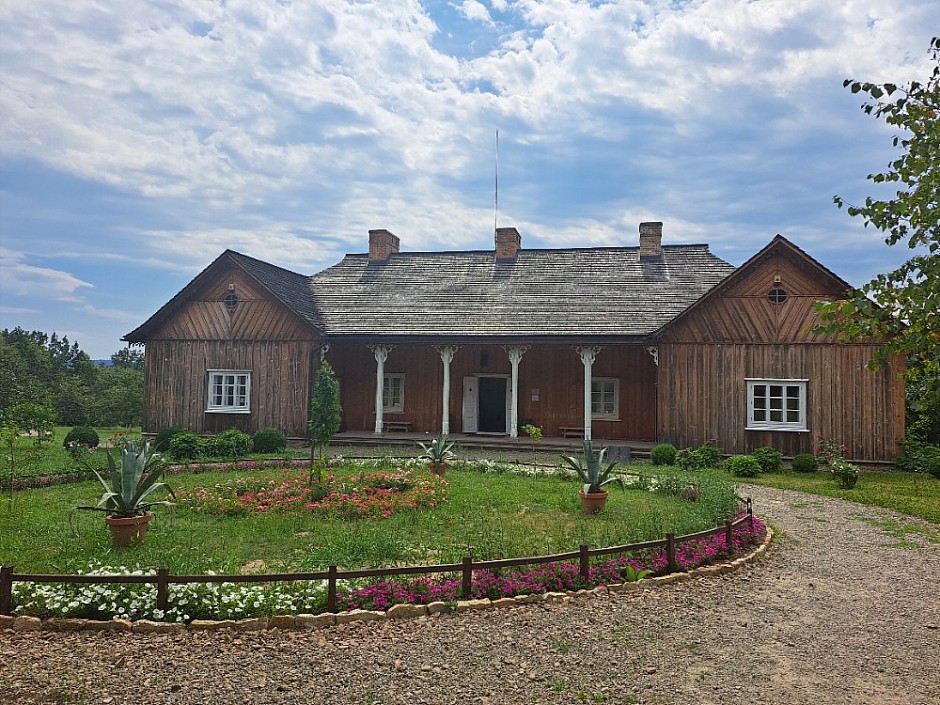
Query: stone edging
(328, 619)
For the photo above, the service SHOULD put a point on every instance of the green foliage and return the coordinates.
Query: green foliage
(902, 307)
(37, 419)
(742, 466)
(232, 443)
(533, 432)
(325, 411)
(591, 470)
(845, 472)
(701, 458)
(83, 436)
(438, 451)
(186, 446)
(663, 454)
(127, 358)
(805, 462)
(769, 459)
(919, 457)
(131, 483)
(161, 442)
(269, 440)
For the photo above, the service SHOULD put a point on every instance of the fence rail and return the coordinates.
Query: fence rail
(163, 579)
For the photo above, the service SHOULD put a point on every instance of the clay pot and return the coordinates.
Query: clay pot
(128, 531)
(593, 502)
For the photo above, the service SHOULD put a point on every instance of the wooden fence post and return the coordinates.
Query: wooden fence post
(671, 553)
(728, 535)
(163, 588)
(584, 562)
(466, 578)
(750, 514)
(331, 589)
(6, 588)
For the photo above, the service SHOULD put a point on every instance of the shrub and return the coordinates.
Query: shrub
(706, 456)
(919, 457)
(769, 459)
(805, 462)
(161, 442)
(186, 446)
(229, 444)
(84, 436)
(269, 440)
(663, 454)
(743, 466)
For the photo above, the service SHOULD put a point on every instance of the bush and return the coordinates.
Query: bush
(769, 459)
(919, 457)
(161, 442)
(743, 466)
(269, 440)
(229, 444)
(805, 462)
(663, 454)
(706, 456)
(84, 436)
(186, 446)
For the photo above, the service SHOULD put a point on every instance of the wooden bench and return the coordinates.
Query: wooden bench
(397, 425)
(571, 431)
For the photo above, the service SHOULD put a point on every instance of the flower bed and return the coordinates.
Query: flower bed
(376, 495)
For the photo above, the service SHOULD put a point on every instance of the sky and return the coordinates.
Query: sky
(140, 140)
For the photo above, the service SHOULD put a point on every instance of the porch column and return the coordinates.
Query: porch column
(588, 354)
(381, 355)
(515, 353)
(447, 356)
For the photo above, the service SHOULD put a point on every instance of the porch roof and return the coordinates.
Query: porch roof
(579, 292)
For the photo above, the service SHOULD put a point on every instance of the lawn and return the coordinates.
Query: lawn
(486, 515)
(909, 493)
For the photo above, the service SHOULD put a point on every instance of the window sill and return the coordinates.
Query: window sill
(776, 429)
(605, 418)
(228, 411)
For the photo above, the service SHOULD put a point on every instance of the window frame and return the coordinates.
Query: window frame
(798, 426)
(386, 380)
(213, 407)
(602, 415)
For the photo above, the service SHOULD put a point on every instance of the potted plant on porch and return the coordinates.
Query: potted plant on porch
(438, 453)
(594, 477)
(127, 498)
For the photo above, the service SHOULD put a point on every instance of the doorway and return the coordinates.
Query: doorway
(492, 404)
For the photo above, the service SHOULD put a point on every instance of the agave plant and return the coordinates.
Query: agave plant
(591, 470)
(132, 482)
(438, 451)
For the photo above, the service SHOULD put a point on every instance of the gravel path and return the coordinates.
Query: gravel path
(845, 609)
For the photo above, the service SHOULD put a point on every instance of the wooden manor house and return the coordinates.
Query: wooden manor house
(656, 343)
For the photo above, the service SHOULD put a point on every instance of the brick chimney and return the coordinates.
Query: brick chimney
(651, 240)
(382, 243)
(508, 243)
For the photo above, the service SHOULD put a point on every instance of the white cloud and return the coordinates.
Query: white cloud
(41, 283)
(475, 11)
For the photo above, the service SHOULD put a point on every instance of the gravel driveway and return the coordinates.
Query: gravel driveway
(844, 609)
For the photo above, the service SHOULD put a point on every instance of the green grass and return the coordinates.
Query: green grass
(487, 516)
(50, 457)
(909, 493)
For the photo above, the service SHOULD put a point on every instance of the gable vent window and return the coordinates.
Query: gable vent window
(231, 301)
(777, 296)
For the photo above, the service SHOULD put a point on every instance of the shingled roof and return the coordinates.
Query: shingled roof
(591, 292)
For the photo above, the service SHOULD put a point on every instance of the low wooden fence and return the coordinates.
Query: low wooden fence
(163, 579)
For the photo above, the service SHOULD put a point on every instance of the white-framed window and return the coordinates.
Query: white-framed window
(605, 398)
(776, 404)
(393, 393)
(229, 391)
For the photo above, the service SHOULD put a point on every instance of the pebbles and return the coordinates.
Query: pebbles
(838, 611)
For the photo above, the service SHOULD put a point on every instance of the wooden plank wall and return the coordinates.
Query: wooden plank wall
(554, 370)
(705, 397)
(705, 358)
(260, 335)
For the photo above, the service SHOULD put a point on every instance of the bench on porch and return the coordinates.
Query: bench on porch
(571, 431)
(397, 425)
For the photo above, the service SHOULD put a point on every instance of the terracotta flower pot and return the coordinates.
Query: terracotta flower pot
(128, 531)
(593, 502)
(437, 468)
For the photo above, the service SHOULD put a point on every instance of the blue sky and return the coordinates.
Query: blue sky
(139, 140)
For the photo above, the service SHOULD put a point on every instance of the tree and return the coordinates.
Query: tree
(902, 307)
(129, 359)
(325, 410)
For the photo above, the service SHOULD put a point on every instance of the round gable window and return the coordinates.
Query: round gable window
(777, 296)
(231, 301)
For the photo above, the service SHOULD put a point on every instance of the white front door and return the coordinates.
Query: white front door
(471, 414)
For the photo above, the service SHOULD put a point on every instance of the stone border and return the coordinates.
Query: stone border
(399, 611)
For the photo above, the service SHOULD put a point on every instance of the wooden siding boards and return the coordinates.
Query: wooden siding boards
(735, 333)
